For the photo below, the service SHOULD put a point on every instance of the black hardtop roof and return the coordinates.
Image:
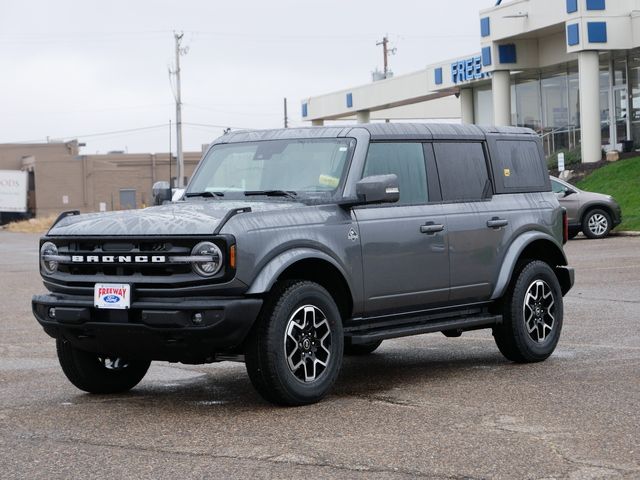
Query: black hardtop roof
(379, 131)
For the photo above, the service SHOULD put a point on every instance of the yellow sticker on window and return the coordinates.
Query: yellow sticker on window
(328, 181)
(507, 172)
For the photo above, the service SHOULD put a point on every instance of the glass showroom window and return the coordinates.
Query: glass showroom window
(555, 110)
(483, 105)
(634, 83)
(528, 104)
(605, 89)
(573, 83)
(620, 99)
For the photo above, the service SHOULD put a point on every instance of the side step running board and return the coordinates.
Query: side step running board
(417, 328)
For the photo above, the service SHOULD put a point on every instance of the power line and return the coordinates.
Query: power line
(99, 134)
(216, 126)
(232, 112)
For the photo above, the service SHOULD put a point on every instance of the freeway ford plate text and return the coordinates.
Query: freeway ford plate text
(112, 295)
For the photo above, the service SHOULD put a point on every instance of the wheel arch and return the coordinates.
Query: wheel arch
(594, 206)
(307, 264)
(534, 246)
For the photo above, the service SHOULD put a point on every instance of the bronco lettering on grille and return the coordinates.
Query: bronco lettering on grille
(118, 259)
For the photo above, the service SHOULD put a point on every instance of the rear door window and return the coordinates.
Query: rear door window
(462, 168)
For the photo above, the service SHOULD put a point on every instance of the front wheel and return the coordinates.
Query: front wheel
(99, 374)
(294, 352)
(532, 312)
(596, 224)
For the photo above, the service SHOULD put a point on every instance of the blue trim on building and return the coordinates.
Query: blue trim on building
(438, 76)
(349, 100)
(305, 109)
(596, 5)
(597, 32)
(485, 27)
(486, 56)
(572, 6)
(573, 34)
(507, 53)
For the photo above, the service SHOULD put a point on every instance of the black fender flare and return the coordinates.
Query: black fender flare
(269, 274)
(514, 253)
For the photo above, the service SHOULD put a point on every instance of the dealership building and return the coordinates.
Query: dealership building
(568, 69)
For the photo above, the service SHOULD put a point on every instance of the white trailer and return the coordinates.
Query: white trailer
(13, 191)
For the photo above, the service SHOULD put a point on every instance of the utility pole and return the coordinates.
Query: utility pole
(286, 116)
(178, 95)
(386, 51)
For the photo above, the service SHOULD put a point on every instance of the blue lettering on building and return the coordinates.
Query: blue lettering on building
(467, 70)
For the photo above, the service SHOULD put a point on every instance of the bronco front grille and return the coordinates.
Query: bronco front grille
(123, 258)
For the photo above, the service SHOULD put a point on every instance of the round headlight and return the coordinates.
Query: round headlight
(48, 249)
(211, 266)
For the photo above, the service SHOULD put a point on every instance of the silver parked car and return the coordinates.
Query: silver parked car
(595, 214)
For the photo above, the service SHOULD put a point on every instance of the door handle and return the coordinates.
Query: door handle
(431, 228)
(497, 223)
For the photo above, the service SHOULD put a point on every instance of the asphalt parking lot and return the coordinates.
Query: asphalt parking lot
(421, 407)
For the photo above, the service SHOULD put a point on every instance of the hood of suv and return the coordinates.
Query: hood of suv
(184, 218)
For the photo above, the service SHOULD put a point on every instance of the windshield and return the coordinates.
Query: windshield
(283, 168)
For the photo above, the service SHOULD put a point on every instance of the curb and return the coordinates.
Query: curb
(627, 234)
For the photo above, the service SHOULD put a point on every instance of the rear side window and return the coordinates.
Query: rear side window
(557, 187)
(462, 168)
(406, 160)
(518, 166)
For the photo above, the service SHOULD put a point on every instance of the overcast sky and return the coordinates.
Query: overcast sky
(76, 68)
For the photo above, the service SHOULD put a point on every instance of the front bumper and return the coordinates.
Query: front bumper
(152, 329)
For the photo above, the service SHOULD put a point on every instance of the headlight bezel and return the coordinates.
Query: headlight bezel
(49, 267)
(207, 248)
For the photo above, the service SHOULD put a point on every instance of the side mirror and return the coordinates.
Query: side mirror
(161, 193)
(378, 189)
(568, 191)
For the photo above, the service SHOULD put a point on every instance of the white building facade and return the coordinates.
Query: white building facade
(569, 69)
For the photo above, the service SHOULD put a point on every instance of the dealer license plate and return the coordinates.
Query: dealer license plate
(115, 296)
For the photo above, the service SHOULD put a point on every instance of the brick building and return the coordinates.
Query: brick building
(62, 179)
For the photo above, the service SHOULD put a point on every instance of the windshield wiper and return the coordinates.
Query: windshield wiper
(204, 194)
(271, 193)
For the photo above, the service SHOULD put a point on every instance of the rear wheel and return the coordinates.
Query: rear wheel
(99, 374)
(294, 352)
(360, 348)
(596, 224)
(532, 311)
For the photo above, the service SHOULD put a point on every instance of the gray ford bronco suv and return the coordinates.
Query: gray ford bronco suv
(291, 248)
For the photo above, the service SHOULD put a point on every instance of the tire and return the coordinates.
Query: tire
(286, 373)
(532, 311)
(95, 374)
(360, 348)
(596, 224)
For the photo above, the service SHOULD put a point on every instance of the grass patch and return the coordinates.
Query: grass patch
(33, 225)
(621, 180)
